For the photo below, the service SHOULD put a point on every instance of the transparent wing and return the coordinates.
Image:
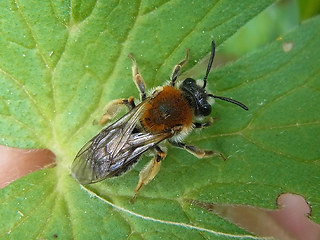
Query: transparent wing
(114, 150)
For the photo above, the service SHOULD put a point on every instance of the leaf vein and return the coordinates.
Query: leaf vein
(27, 93)
(174, 49)
(279, 153)
(30, 129)
(33, 34)
(94, 112)
(156, 9)
(33, 211)
(177, 224)
(282, 96)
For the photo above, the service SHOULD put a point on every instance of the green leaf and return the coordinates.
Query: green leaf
(308, 8)
(60, 64)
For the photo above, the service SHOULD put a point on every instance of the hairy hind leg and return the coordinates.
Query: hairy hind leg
(149, 171)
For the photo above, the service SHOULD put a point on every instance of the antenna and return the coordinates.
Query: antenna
(213, 50)
(230, 100)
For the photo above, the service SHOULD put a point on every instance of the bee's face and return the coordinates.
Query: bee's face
(197, 97)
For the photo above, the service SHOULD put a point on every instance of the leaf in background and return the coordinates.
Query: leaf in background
(59, 68)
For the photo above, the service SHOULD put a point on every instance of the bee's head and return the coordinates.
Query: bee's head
(198, 96)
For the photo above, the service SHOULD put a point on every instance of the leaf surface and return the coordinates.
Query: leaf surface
(60, 64)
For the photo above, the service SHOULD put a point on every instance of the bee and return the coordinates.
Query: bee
(167, 114)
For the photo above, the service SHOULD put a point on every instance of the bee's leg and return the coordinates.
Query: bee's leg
(203, 125)
(138, 79)
(199, 153)
(149, 171)
(113, 107)
(178, 67)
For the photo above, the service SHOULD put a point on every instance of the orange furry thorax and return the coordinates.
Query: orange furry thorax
(167, 110)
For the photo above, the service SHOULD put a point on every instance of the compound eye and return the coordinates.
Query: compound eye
(205, 109)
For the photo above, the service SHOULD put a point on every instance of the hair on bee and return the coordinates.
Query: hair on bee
(167, 114)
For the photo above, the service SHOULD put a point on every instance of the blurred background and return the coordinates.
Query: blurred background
(269, 25)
